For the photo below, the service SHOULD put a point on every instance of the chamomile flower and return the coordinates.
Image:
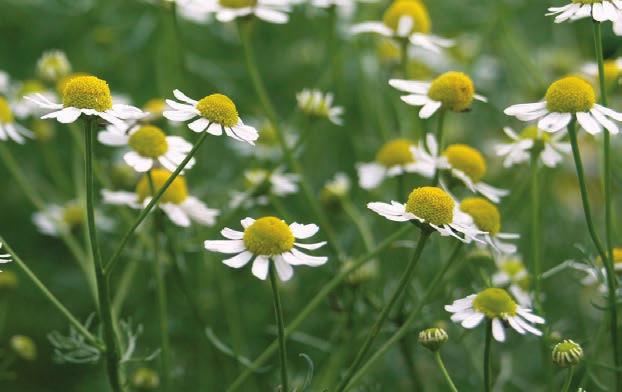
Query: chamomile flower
(453, 91)
(552, 148)
(598, 10)
(262, 183)
(487, 218)
(53, 65)
(498, 306)
(339, 186)
(463, 163)
(21, 106)
(315, 103)
(180, 207)
(86, 96)
(393, 159)
(154, 108)
(565, 99)
(148, 145)
(596, 273)
(216, 112)
(55, 220)
(268, 239)
(433, 207)
(405, 20)
(613, 71)
(271, 11)
(511, 272)
(9, 129)
(4, 258)
(567, 353)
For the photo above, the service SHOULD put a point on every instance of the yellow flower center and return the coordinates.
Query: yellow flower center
(570, 95)
(149, 141)
(494, 302)
(155, 106)
(531, 132)
(617, 260)
(176, 193)
(395, 152)
(612, 72)
(6, 115)
(30, 86)
(238, 3)
(466, 159)
(484, 213)
(454, 89)
(219, 109)
(145, 379)
(431, 204)
(87, 92)
(413, 9)
(62, 82)
(73, 215)
(512, 267)
(268, 236)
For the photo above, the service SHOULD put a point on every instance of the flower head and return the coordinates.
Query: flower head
(498, 306)
(53, 65)
(216, 112)
(268, 239)
(488, 219)
(531, 139)
(314, 103)
(335, 189)
(272, 11)
(598, 10)
(394, 158)
(433, 338)
(9, 129)
(55, 220)
(567, 353)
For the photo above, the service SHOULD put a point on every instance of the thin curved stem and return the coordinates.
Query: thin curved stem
(568, 381)
(487, 364)
(105, 310)
(535, 227)
(278, 311)
(441, 365)
(440, 130)
(399, 291)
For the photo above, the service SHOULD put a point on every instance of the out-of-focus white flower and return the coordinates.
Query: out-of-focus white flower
(272, 11)
(317, 104)
(9, 129)
(53, 65)
(599, 10)
(262, 183)
(56, 220)
(511, 272)
(519, 150)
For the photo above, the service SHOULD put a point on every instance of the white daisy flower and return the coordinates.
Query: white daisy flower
(452, 91)
(56, 220)
(433, 207)
(88, 96)
(9, 129)
(216, 112)
(551, 147)
(568, 98)
(487, 218)
(23, 107)
(596, 273)
(496, 305)
(154, 108)
(511, 272)
(148, 144)
(613, 71)
(462, 162)
(4, 258)
(405, 20)
(260, 183)
(180, 207)
(599, 10)
(271, 11)
(53, 65)
(339, 186)
(393, 159)
(317, 104)
(266, 239)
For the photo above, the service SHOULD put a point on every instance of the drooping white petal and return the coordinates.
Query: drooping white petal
(260, 267)
(302, 231)
(498, 332)
(239, 260)
(225, 246)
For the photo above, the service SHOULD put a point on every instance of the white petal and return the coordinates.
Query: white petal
(588, 123)
(239, 260)
(176, 214)
(232, 234)
(370, 174)
(138, 162)
(315, 246)
(260, 267)
(473, 321)
(199, 125)
(183, 97)
(225, 246)
(283, 269)
(301, 231)
(498, 331)
(429, 109)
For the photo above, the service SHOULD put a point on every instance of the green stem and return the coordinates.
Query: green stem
(441, 365)
(251, 66)
(322, 294)
(278, 311)
(359, 223)
(568, 381)
(414, 316)
(105, 310)
(440, 130)
(487, 365)
(50, 297)
(535, 227)
(375, 330)
(611, 276)
(143, 214)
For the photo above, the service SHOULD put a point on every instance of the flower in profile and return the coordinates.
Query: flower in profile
(217, 114)
(596, 273)
(433, 338)
(4, 258)
(565, 99)
(148, 145)
(21, 106)
(55, 220)
(393, 159)
(433, 207)
(462, 162)
(268, 238)
(511, 272)
(498, 306)
(9, 129)
(612, 68)
(567, 353)
(551, 147)
(53, 65)
(405, 20)
(177, 204)
(453, 91)
(315, 103)
(262, 183)
(88, 96)
(598, 10)
(335, 189)
(271, 11)
(487, 218)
